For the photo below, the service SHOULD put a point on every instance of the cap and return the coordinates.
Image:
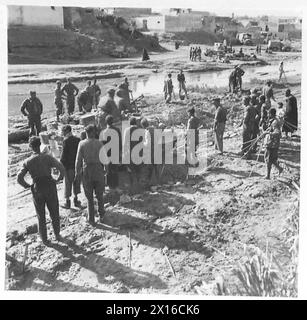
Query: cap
(58, 82)
(34, 142)
(111, 91)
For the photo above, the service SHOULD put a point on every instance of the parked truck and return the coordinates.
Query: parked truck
(245, 38)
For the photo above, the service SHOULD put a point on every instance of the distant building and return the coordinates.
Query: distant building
(36, 16)
(172, 20)
(282, 26)
(128, 13)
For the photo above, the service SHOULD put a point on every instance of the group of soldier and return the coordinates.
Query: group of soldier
(262, 120)
(168, 88)
(195, 53)
(87, 99)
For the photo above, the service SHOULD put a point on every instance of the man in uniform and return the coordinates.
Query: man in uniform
(249, 121)
(44, 190)
(133, 169)
(112, 168)
(33, 108)
(149, 143)
(68, 159)
(240, 74)
(233, 81)
(219, 124)
(95, 93)
(181, 81)
(194, 124)
(168, 88)
(71, 91)
(107, 107)
(88, 161)
(268, 93)
(272, 143)
(58, 100)
(290, 118)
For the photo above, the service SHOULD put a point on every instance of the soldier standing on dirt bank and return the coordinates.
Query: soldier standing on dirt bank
(219, 124)
(44, 190)
(68, 158)
(58, 95)
(33, 108)
(272, 142)
(71, 91)
(88, 162)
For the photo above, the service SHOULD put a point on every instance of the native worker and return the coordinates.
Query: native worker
(239, 75)
(249, 121)
(88, 161)
(33, 108)
(44, 190)
(149, 143)
(181, 81)
(145, 55)
(68, 159)
(70, 91)
(132, 168)
(193, 125)
(168, 88)
(272, 142)
(112, 168)
(219, 124)
(256, 104)
(95, 93)
(85, 98)
(233, 80)
(290, 118)
(121, 102)
(268, 93)
(281, 70)
(264, 115)
(58, 100)
(191, 53)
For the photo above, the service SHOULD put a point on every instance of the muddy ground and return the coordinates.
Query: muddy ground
(200, 220)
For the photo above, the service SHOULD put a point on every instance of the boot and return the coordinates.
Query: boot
(67, 204)
(77, 203)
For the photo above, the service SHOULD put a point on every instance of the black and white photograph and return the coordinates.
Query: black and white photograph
(153, 150)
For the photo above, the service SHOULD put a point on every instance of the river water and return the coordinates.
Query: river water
(148, 85)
